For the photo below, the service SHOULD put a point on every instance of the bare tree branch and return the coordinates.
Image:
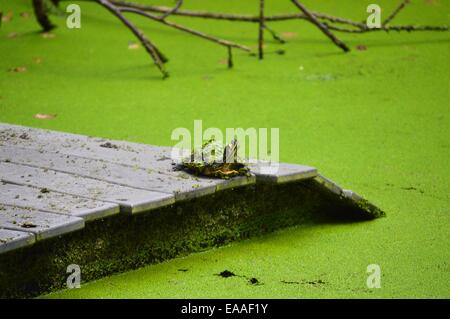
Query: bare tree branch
(360, 26)
(41, 13)
(261, 30)
(230, 58)
(149, 47)
(186, 29)
(321, 26)
(168, 13)
(235, 17)
(395, 12)
(397, 28)
(324, 22)
(274, 35)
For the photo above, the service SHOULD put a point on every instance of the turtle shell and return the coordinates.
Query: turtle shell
(215, 160)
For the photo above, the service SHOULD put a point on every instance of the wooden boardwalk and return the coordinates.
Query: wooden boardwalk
(111, 206)
(52, 183)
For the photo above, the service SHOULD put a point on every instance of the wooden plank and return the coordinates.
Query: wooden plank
(153, 159)
(131, 200)
(157, 158)
(11, 240)
(281, 172)
(182, 185)
(43, 224)
(30, 197)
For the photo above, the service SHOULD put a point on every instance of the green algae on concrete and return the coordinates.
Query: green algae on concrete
(121, 243)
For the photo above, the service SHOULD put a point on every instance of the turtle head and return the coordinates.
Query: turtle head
(231, 152)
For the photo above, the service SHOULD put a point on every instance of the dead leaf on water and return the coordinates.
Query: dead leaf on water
(18, 69)
(7, 17)
(289, 35)
(133, 45)
(37, 60)
(47, 35)
(12, 35)
(42, 116)
(361, 47)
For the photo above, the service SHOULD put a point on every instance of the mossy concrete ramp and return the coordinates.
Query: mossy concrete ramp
(110, 206)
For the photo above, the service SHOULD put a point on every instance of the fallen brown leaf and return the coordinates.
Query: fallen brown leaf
(289, 35)
(12, 35)
(133, 45)
(18, 69)
(47, 35)
(25, 15)
(361, 47)
(41, 116)
(37, 60)
(223, 61)
(7, 17)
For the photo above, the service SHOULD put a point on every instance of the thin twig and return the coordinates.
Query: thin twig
(225, 43)
(274, 35)
(410, 28)
(41, 13)
(338, 20)
(236, 17)
(398, 28)
(274, 18)
(261, 30)
(230, 58)
(361, 26)
(321, 20)
(168, 13)
(395, 12)
(321, 26)
(150, 48)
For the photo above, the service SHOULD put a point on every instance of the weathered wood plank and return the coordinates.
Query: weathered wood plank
(39, 199)
(42, 224)
(131, 200)
(281, 172)
(155, 159)
(11, 240)
(182, 185)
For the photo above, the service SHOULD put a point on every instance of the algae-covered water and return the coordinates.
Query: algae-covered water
(376, 120)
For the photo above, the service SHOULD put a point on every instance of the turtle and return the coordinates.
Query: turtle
(214, 160)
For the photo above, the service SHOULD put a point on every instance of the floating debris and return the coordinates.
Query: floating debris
(226, 274)
(18, 69)
(41, 116)
(48, 35)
